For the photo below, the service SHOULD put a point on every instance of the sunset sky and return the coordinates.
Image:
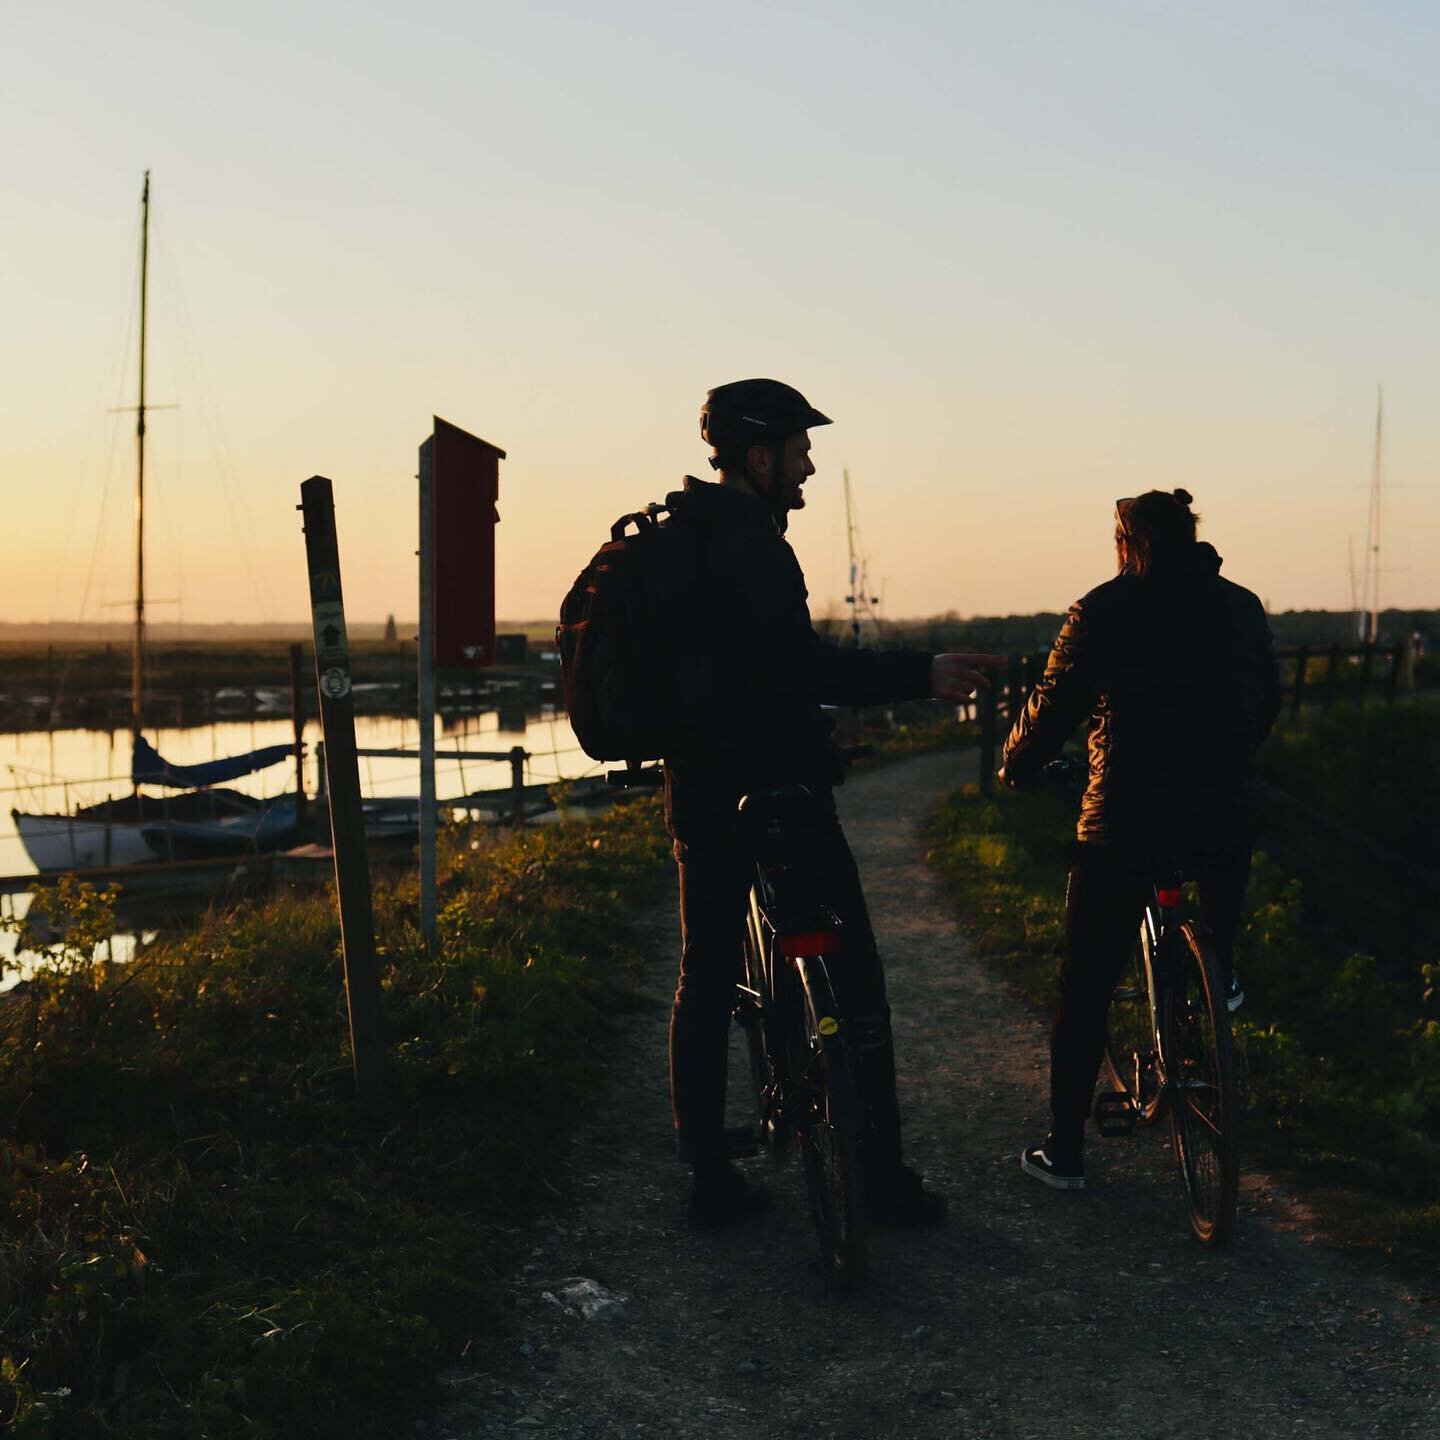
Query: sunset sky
(1030, 256)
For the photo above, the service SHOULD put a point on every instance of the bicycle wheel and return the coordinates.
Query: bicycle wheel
(1130, 1033)
(752, 1013)
(827, 1126)
(1200, 1076)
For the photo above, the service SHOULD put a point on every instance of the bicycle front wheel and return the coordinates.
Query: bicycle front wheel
(1200, 1078)
(1130, 1033)
(828, 1130)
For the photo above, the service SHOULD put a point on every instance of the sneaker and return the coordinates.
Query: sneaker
(721, 1196)
(1234, 994)
(1067, 1176)
(900, 1198)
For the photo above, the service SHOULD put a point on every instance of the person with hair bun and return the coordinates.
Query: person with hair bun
(1173, 667)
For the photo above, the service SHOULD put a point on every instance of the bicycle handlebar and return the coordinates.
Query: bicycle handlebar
(641, 777)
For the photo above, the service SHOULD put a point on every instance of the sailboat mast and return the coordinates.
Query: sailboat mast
(137, 649)
(1373, 598)
(853, 598)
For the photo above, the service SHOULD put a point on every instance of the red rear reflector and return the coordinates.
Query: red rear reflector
(817, 942)
(1169, 899)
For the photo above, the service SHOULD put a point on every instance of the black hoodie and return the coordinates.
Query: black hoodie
(1176, 674)
(769, 672)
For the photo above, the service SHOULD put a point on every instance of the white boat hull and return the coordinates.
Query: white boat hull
(66, 842)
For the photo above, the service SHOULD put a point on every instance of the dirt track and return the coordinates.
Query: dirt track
(1030, 1313)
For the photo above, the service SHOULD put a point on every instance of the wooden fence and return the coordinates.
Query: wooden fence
(1315, 675)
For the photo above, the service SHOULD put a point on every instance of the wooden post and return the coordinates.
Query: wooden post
(425, 695)
(1397, 664)
(1297, 694)
(1014, 686)
(1332, 679)
(347, 827)
(517, 784)
(297, 718)
(989, 704)
(1367, 669)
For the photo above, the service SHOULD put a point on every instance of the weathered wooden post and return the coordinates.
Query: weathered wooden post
(1332, 678)
(347, 825)
(459, 479)
(1014, 686)
(1397, 665)
(517, 784)
(989, 703)
(1367, 669)
(297, 717)
(1297, 695)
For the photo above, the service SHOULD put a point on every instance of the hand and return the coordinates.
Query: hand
(958, 677)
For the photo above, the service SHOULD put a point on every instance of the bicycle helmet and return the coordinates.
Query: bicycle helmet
(745, 412)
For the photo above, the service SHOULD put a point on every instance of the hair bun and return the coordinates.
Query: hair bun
(1183, 496)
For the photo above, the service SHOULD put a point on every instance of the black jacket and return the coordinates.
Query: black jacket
(768, 671)
(1176, 673)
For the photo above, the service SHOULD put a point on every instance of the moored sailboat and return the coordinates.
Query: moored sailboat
(200, 820)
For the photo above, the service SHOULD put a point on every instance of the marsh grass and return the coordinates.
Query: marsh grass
(205, 1235)
(1341, 1062)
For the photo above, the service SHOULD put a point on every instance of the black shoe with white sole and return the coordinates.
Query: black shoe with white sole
(1068, 1173)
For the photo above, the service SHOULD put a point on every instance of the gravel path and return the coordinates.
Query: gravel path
(1030, 1313)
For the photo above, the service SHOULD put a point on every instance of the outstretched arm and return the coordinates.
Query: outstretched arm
(1061, 701)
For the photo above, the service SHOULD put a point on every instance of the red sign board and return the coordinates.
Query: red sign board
(465, 474)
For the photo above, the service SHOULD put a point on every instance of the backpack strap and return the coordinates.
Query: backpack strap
(646, 519)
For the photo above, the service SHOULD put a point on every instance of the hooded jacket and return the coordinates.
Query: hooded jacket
(768, 671)
(1175, 672)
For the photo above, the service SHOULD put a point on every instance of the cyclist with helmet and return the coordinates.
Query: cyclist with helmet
(1174, 669)
(765, 728)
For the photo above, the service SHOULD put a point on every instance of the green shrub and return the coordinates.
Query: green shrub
(204, 1234)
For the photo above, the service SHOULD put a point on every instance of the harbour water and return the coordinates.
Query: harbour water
(53, 772)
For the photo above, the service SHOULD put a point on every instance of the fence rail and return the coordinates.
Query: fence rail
(1316, 675)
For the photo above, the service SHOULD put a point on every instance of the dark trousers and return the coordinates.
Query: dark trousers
(715, 874)
(1105, 897)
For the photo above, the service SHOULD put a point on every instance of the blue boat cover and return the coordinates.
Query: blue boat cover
(148, 768)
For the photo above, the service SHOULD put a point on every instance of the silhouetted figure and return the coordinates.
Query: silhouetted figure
(769, 673)
(1174, 669)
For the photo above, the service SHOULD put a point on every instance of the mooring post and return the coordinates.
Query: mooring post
(989, 703)
(425, 694)
(517, 784)
(342, 769)
(1332, 676)
(297, 714)
(1297, 695)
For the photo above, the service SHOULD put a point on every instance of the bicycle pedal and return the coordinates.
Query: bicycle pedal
(741, 1142)
(1114, 1114)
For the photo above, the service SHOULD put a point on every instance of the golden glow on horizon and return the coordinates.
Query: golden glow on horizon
(948, 229)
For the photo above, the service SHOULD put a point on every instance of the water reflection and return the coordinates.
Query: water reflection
(54, 772)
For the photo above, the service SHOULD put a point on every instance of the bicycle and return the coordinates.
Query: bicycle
(796, 1037)
(1169, 1049)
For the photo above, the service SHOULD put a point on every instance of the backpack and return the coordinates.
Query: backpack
(632, 662)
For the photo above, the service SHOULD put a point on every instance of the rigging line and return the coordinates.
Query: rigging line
(98, 545)
(219, 442)
(112, 378)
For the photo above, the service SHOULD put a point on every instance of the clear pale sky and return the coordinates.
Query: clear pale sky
(1029, 256)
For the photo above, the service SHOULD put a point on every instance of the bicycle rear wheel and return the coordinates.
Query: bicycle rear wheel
(1200, 1076)
(753, 1014)
(827, 1126)
(1130, 1033)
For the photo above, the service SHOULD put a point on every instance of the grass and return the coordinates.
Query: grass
(206, 1237)
(1341, 1064)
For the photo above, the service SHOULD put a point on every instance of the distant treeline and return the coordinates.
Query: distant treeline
(1033, 633)
(1009, 633)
